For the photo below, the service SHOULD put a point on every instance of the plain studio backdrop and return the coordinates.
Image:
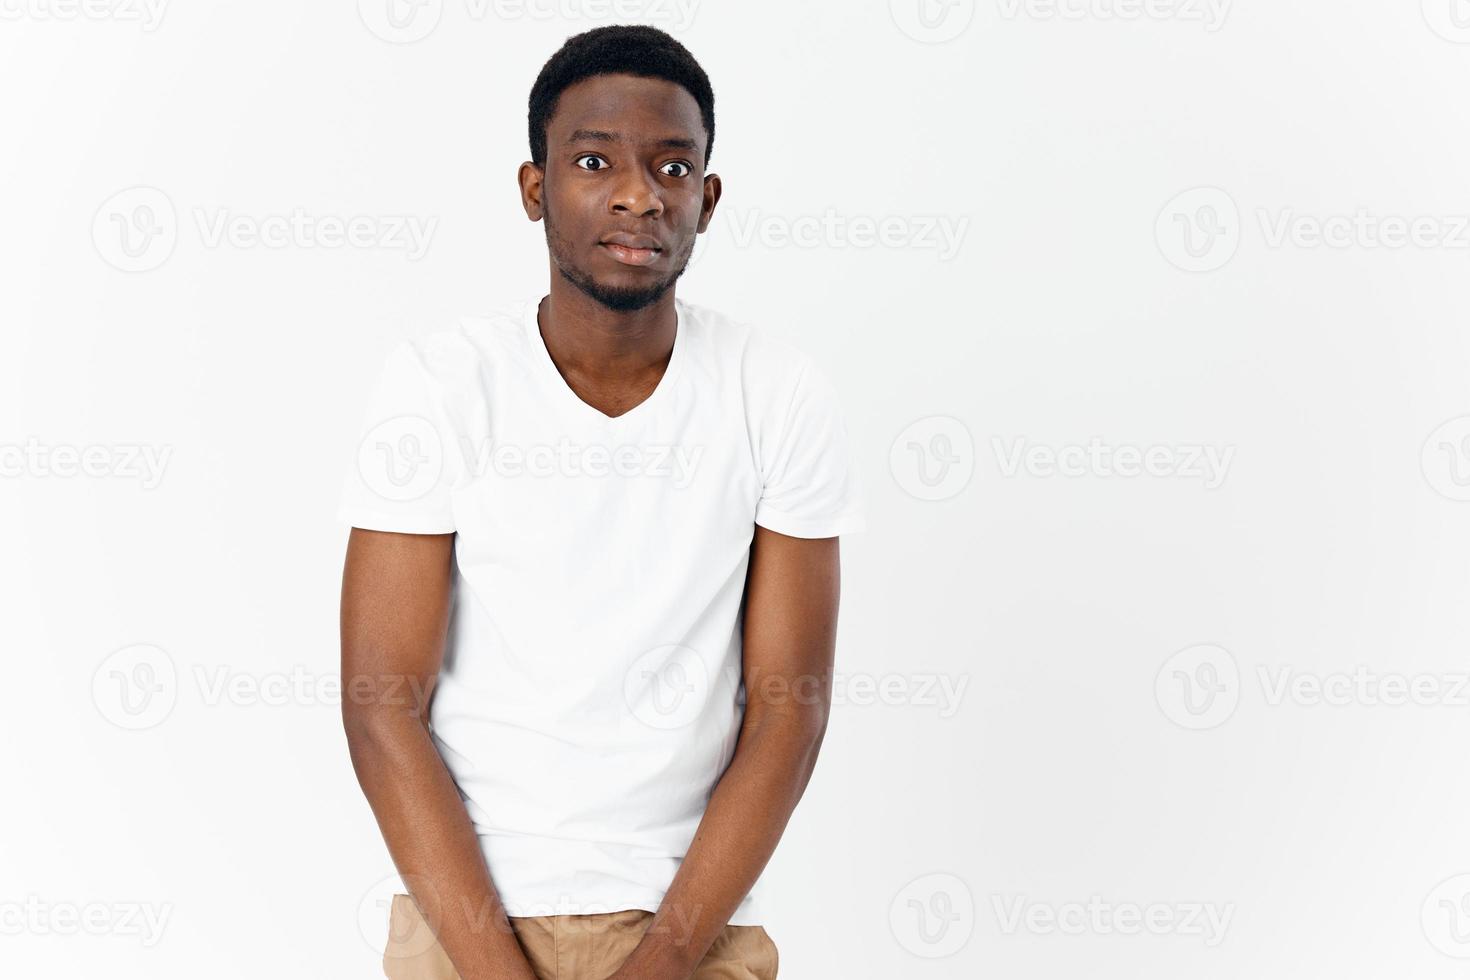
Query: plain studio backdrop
(1148, 317)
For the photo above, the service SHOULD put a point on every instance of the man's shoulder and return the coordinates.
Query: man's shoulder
(503, 322)
(457, 348)
(762, 354)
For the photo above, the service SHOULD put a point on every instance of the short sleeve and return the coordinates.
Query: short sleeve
(809, 481)
(407, 460)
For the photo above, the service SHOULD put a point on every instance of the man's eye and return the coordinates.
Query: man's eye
(591, 161)
(679, 168)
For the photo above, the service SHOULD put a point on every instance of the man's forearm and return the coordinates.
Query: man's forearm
(746, 816)
(433, 843)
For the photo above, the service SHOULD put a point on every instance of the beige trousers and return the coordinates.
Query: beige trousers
(572, 947)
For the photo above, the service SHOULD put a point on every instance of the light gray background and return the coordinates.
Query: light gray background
(1138, 199)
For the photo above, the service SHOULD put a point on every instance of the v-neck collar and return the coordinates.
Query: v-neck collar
(553, 377)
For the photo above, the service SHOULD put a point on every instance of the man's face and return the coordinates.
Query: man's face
(623, 192)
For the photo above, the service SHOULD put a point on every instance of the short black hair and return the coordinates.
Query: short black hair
(618, 49)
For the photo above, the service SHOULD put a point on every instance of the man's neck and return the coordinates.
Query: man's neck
(606, 347)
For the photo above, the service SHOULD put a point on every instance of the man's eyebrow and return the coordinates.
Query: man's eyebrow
(603, 136)
(599, 135)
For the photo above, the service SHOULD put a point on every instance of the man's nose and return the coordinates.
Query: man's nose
(637, 194)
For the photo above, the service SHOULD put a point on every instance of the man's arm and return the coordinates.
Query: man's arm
(395, 610)
(790, 633)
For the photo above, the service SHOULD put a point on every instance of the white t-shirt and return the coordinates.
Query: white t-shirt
(591, 695)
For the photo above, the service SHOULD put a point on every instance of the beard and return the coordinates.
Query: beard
(622, 299)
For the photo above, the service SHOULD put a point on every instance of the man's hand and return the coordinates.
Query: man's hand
(790, 636)
(396, 592)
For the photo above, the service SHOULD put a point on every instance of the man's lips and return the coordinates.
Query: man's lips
(632, 249)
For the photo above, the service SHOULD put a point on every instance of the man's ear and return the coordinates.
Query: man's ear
(712, 191)
(532, 178)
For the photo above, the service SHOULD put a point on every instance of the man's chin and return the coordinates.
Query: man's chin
(622, 298)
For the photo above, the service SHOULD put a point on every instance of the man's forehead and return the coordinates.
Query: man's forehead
(584, 134)
(629, 106)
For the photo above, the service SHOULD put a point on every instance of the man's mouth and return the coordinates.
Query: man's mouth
(632, 249)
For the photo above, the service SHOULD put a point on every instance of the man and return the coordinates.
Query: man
(601, 528)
